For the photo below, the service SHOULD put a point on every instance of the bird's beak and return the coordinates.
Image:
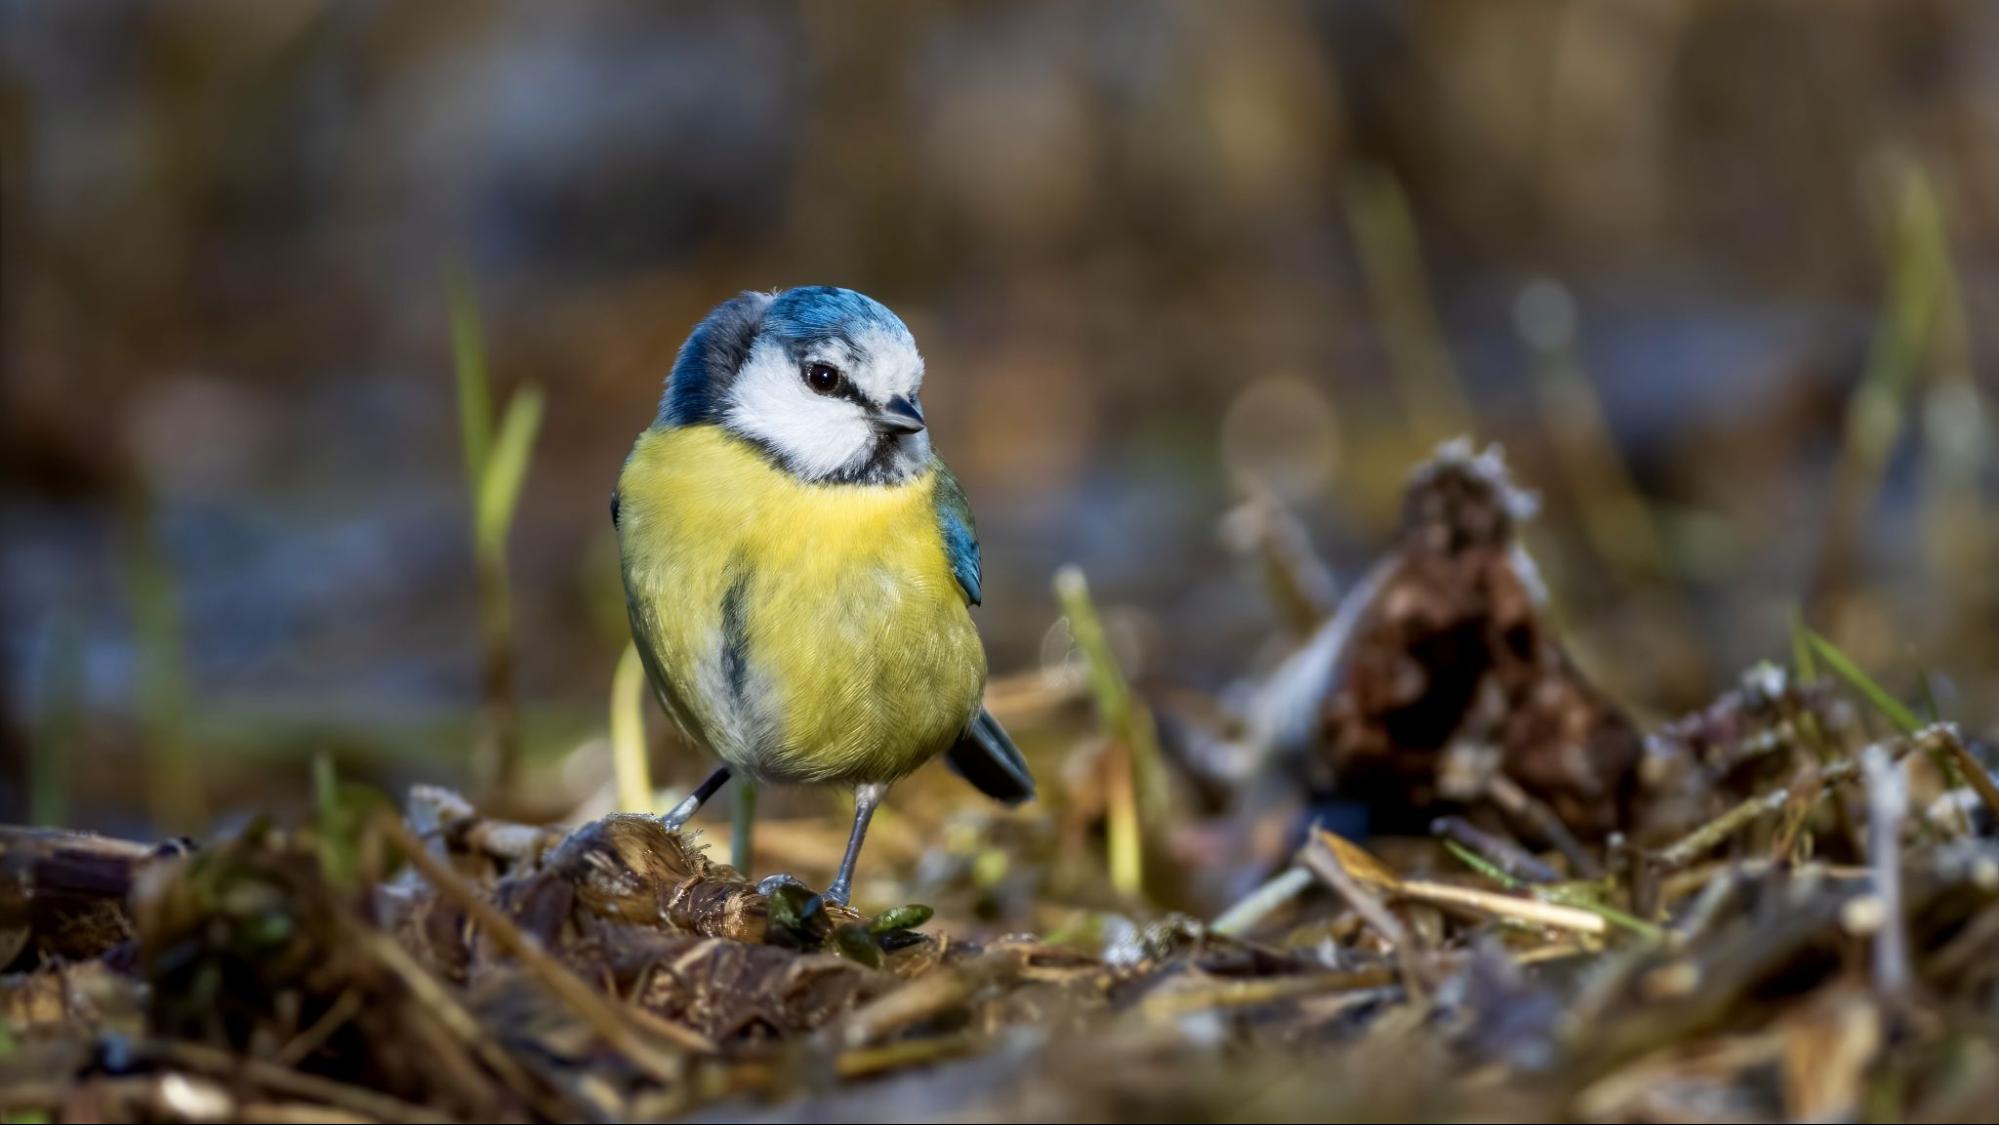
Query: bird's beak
(899, 415)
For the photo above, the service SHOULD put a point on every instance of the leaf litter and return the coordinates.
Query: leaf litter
(1761, 911)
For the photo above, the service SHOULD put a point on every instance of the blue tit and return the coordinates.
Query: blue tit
(800, 567)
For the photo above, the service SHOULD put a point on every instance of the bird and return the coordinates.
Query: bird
(800, 566)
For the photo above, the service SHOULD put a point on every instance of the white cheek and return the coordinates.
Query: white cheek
(817, 434)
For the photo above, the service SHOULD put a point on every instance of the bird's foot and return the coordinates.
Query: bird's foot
(768, 885)
(840, 891)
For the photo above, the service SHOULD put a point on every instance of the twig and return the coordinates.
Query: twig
(922, 998)
(1261, 902)
(1706, 909)
(293, 1083)
(1266, 990)
(1510, 797)
(1322, 856)
(1975, 773)
(1299, 582)
(611, 1021)
(333, 1019)
(1797, 810)
(864, 1061)
(1320, 859)
(1506, 906)
(1710, 835)
(457, 1021)
(1887, 803)
(1562, 897)
(1641, 878)
(1504, 855)
(1132, 764)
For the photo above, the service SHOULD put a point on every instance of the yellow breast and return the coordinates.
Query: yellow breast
(804, 632)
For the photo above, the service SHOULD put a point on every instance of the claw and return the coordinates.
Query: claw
(769, 884)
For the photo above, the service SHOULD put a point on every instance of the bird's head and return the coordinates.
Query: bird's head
(823, 380)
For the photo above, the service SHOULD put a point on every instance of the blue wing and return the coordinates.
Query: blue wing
(983, 755)
(961, 538)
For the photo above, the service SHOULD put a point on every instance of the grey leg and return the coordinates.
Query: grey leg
(743, 826)
(866, 797)
(687, 808)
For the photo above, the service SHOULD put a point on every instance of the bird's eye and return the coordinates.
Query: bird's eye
(824, 378)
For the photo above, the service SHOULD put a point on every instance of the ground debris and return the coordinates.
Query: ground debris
(253, 985)
(1454, 676)
(1744, 915)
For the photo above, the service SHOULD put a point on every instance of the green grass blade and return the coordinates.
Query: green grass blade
(1391, 258)
(1842, 665)
(506, 470)
(468, 357)
(1482, 865)
(174, 790)
(333, 832)
(1802, 661)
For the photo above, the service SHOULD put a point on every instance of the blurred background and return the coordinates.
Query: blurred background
(1716, 275)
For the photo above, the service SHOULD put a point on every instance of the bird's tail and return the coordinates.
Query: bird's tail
(987, 758)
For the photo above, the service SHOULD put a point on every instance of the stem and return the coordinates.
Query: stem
(1131, 762)
(1391, 259)
(1259, 903)
(499, 739)
(173, 773)
(628, 733)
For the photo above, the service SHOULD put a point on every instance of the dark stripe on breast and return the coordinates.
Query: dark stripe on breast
(736, 640)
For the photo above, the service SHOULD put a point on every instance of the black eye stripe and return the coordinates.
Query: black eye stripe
(843, 389)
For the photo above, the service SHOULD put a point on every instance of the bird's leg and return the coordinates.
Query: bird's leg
(743, 825)
(687, 808)
(866, 797)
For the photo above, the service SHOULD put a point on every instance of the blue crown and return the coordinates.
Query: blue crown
(799, 318)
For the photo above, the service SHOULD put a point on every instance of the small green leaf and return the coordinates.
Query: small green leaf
(855, 943)
(797, 918)
(267, 931)
(908, 917)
